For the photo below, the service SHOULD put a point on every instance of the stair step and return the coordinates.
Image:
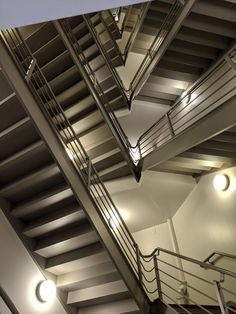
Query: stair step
(72, 94)
(49, 51)
(65, 80)
(54, 220)
(32, 184)
(97, 63)
(102, 149)
(87, 256)
(63, 240)
(108, 292)
(5, 88)
(91, 276)
(124, 306)
(38, 35)
(11, 110)
(42, 201)
(96, 137)
(80, 108)
(115, 167)
(88, 122)
(91, 52)
(24, 161)
(20, 135)
(57, 66)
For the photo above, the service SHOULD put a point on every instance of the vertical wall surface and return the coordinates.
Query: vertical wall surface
(19, 275)
(205, 222)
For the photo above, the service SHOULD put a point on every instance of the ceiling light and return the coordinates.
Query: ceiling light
(46, 291)
(221, 182)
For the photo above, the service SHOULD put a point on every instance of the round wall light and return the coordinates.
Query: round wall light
(46, 291)
(221, 182)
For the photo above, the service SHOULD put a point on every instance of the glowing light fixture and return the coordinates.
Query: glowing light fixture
(46, 291)
(221, 182)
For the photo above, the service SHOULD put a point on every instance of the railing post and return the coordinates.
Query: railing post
(220, 297)
(30, 69)
(170, 125)
(231, 60)
(89, 172)
(139, 263)
(157, 273)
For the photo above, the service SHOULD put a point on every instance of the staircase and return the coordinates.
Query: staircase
(70, 89)
(107, 31)
(50, 217)
(56, 211)
(205, 35)
(134, 16)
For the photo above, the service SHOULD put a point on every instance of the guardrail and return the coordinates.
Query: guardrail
(83, 165)
(103, 103)
(136, 27)
(217, 255)
(211, 91)
(159, 276)
(165, 28)
(103, 51)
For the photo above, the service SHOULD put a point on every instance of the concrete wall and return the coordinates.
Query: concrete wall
(19, 275)
(205, 222)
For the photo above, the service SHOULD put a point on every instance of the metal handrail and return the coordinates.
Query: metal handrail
(8, 302)
(116, 14)
(194, 104)
(164, 283)
(104, 105)
(124, 91)
(170, 19)
(70, 141)
(205, 265)
(219, 255)
(139, 21)
(108, 31)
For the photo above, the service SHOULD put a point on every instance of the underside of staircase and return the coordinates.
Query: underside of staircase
(44, 209)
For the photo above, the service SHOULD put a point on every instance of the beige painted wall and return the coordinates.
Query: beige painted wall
(205, 222)
(19, 275)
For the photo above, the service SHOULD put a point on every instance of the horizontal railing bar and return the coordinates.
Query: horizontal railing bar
(188, 285)
(187, 297)
(223, 254)
(186, 272)
(192, 260)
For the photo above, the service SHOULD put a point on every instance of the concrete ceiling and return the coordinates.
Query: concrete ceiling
(24, 12)
(151, 202)
(141, 117)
